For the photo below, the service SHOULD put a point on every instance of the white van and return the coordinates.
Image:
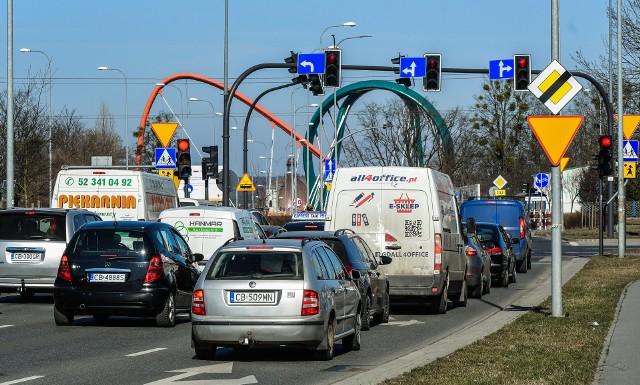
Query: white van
(410, 214)
(115, 194)
(206, 228)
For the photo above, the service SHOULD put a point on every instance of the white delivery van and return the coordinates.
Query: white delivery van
(206, 228)
(410, 214)
(115, 194)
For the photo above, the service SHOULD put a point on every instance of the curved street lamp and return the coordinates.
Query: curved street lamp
(213, 111)
(347, 24)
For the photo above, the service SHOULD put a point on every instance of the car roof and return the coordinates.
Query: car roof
(50, 210)
(211, 211)
(123, 225)
(291, 243)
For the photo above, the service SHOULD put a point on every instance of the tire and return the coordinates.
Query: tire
(383, 318)
(522, 266)
(487, 286)
(352, 342)
(62, 318)
(206, 354)
(366, 313)
(167, 317)
(504, 282)
(327, 353)
(439, 306)
(479, 290)
(529, 260)
(513, 277)
(462, 299)
(101, 317)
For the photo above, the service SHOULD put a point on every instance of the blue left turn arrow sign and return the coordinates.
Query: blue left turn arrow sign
(311, 63)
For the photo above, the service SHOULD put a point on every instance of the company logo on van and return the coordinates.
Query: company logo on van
(383, 178)
(97, 201)
(361, 199)
(404, 204)
(205, 223)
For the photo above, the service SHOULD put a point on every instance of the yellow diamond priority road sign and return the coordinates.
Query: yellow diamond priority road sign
(500, 182)
(555, 87)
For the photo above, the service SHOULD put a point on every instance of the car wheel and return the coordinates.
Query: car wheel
(529, 260)
(461, 300)
(62, 318)
(326, 354)
(167, 317)
(522, 266)
(439, 305)
(478, 290)
(487, 286)
(352, 342)
(101, 317)
(505, 278)
(366, 313)
(383, 318)
(512, 278)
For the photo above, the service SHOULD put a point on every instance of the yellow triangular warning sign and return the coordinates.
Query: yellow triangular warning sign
(629, 124)
(164, 131)
(245, 184)
(555, 133)
(563, 163)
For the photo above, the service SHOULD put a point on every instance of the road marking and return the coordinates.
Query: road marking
(6, 326)
(573, 244)
(403, 323)
(21, 380)
(145, 352)
(215, 368)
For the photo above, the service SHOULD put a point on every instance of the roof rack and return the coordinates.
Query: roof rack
(308, 239)
(234, 239)
(343, 231)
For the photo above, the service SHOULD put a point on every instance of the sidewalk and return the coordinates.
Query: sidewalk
(620, 362)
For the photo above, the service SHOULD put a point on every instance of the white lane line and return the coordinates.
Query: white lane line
(574, 244)
(6, 326)
(141, 353)
(21, 380)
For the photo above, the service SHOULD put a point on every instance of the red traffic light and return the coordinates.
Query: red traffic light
(183, 144)
(605, 141)
(522, 63)
(331, 58)
(433, 63)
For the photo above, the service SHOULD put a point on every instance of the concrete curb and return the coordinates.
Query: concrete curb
(466, 335)
(607, 341)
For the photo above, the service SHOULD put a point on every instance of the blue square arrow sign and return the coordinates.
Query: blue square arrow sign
(501, 69)
(311, 63)
(413, 67)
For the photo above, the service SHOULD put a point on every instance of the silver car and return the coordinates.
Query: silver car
(276, 292)
(32, 242)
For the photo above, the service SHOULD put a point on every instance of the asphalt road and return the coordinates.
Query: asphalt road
(34, 351)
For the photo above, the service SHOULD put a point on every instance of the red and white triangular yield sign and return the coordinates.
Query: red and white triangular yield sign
(555, 133)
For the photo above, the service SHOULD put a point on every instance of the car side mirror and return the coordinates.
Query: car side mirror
(515, 241)
(355, 274)
(471, 226)
(197, 257)
(385, 260)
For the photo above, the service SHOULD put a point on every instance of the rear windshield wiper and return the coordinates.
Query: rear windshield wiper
(115, 257)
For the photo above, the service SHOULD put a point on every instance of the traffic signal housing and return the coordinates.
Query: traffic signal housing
(522, 74)
(433, 76)
(605, 157)
(210, 164)
(184, 158)
(315, 86)
(293, 59)
(332, 67)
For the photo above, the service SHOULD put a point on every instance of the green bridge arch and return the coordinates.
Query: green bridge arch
(351, 94)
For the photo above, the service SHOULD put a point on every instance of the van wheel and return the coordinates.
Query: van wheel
(461, 300)
(439, 305)
(167, 317)
(327, 353)
(62, 318)
(366, 313)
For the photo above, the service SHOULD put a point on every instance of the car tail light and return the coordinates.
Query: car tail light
(259, 247)
(521, 228)
(197, 304)
(389, 238)
(156, 269)
(437, 254)
(470, 251)
(63, 270)
(349, 269)
(310, 303)
(494, 250)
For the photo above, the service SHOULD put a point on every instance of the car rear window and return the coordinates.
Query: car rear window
(301, 226)
(32, 225)
(488, 233)
(256, 265)
(92, 242)
(507, 215)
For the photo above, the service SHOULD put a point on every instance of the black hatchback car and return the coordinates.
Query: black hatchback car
(354, 253)
(125, 268)
(495, 241)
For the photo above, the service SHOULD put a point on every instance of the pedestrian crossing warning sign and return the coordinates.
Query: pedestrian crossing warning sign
(629, 170)
(245, 184)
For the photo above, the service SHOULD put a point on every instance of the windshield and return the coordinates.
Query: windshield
(32, 225)
(256, 265)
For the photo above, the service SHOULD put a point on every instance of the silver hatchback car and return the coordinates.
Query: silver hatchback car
(276, 292)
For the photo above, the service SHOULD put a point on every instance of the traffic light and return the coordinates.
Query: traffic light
(184, 158)
(332, 67)
(431, 81)
(210, 164)
(293, 59)
(522, 75)
(315, 86)
(604, 156)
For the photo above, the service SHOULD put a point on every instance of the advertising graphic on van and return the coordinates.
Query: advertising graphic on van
(383, 178)
(197, 229)
(413, 228)
(96, 201)
(404, 204)
(359, 220)
(362, 199)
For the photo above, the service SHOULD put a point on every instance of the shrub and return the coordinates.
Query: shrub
(572, 220)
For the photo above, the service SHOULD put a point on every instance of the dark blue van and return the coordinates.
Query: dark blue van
(511, 215)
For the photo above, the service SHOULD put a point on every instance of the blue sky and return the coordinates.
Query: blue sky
(151, 40)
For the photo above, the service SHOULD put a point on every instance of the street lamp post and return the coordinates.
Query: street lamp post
(181, 104)
(294, 185)
(347, 24)
(50, 117)
(213, 111)
(352, 37)
(126, 112)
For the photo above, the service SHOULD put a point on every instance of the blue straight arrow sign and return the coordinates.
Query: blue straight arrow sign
(501, 69)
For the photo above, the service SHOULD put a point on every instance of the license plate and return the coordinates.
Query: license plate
(105, 277)
(26, 257)
(252, 297)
